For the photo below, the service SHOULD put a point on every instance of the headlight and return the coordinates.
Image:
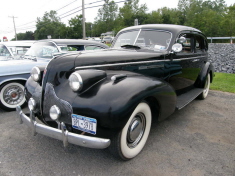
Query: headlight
(75, 81)
(35, 74)
(54, 112)
(31, 104)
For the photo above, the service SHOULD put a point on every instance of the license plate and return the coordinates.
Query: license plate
(84, 123)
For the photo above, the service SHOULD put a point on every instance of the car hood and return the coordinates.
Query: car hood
(13, 67)
(112, 56)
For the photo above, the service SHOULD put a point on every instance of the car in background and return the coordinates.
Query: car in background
(107, 40)
(14, 73)
(14, 49)
(95, 39)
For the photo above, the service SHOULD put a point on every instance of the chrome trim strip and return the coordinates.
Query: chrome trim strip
(63, 134)
(138, 63)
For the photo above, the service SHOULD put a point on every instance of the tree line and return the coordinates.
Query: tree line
(213, 17)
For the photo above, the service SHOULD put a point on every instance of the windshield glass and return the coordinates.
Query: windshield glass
(148, 39)
(4, 53)
(42, 50)
(18, 51)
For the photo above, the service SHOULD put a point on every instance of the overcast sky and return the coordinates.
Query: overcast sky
(27, 11)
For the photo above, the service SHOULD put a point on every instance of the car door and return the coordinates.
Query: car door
(186, 65)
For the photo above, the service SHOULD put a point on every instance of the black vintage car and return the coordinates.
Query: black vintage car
(108, 98)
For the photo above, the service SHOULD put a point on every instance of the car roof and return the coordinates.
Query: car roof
(23, 43)
(168, 27)
(73, 42)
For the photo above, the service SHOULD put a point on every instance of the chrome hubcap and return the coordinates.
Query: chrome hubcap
(136, 130)
(13, 95)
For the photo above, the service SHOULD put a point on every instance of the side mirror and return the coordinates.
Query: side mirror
(177, 47)
(181, 40)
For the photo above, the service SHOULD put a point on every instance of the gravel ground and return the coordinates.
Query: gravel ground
(197, 140)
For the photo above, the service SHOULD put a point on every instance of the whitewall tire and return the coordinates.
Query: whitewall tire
(11, 95)
(206, 89)
(132, 138)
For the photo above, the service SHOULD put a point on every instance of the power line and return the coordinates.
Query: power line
(66, 5)
(31, 27)
(87, 8)
(26, 23)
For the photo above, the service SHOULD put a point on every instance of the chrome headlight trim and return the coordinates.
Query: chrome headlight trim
(75, 81)
(35, 74)
(31, 104)
(55, 112)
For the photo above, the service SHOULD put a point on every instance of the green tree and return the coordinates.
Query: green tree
(74, 30)
(131, 11)
(28, 35)
(106, 18)
(50, 24)
(207, 15)
(229, 21)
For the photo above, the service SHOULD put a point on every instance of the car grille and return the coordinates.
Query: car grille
(50, 99)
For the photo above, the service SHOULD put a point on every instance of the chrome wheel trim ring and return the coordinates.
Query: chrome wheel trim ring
(12, 95)
(207, 86)
(136, 130)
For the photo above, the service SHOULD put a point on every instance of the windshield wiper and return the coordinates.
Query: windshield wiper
(131, 46)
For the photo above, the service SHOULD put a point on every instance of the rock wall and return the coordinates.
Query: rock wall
(223, 57)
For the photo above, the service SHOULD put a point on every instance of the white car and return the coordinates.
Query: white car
(14, 49)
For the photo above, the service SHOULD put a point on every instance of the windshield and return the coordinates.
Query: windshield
(4, 53)
(148, 39)
(42, 50)
(18, 51)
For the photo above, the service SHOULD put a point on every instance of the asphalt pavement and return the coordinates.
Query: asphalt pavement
(198, 140)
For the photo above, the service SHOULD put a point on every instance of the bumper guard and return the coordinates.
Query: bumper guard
(61, 134)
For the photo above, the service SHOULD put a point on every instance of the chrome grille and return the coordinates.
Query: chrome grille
(50, 99)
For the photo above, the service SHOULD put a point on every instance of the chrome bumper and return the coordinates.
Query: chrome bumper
(61, 134)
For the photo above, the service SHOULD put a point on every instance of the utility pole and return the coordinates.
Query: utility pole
(83, 20)
(14, 24)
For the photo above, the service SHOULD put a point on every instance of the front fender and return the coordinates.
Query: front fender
(112, 103)
(20, 77)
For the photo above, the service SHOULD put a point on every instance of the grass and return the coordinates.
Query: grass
(223, 82)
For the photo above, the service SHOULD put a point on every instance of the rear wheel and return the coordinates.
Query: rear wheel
(130, 141)
(206, 89)
(11, 95)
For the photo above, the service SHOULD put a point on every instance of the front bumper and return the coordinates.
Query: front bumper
(62, 133)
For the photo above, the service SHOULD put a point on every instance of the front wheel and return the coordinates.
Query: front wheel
(206, 89)
(11, 95)
(130, 141)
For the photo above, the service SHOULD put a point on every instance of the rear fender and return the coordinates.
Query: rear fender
(201, 79)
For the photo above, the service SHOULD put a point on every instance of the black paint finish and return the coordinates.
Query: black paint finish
(155, 77)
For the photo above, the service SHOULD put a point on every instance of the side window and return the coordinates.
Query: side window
(199, 44)
(188, 44)
(92, 47)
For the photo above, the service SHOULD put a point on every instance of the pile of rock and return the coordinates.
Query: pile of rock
(223, 57)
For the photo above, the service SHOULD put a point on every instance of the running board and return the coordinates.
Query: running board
(186, 98)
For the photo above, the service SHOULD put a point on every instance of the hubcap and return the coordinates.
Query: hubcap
(136, 130)
(13, 95)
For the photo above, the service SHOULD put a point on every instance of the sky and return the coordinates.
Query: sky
(27, 11)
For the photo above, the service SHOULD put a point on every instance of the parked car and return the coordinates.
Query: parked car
(107, 40)
(14, 49)
(95, 39)
(109, 98)
(14, 73)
